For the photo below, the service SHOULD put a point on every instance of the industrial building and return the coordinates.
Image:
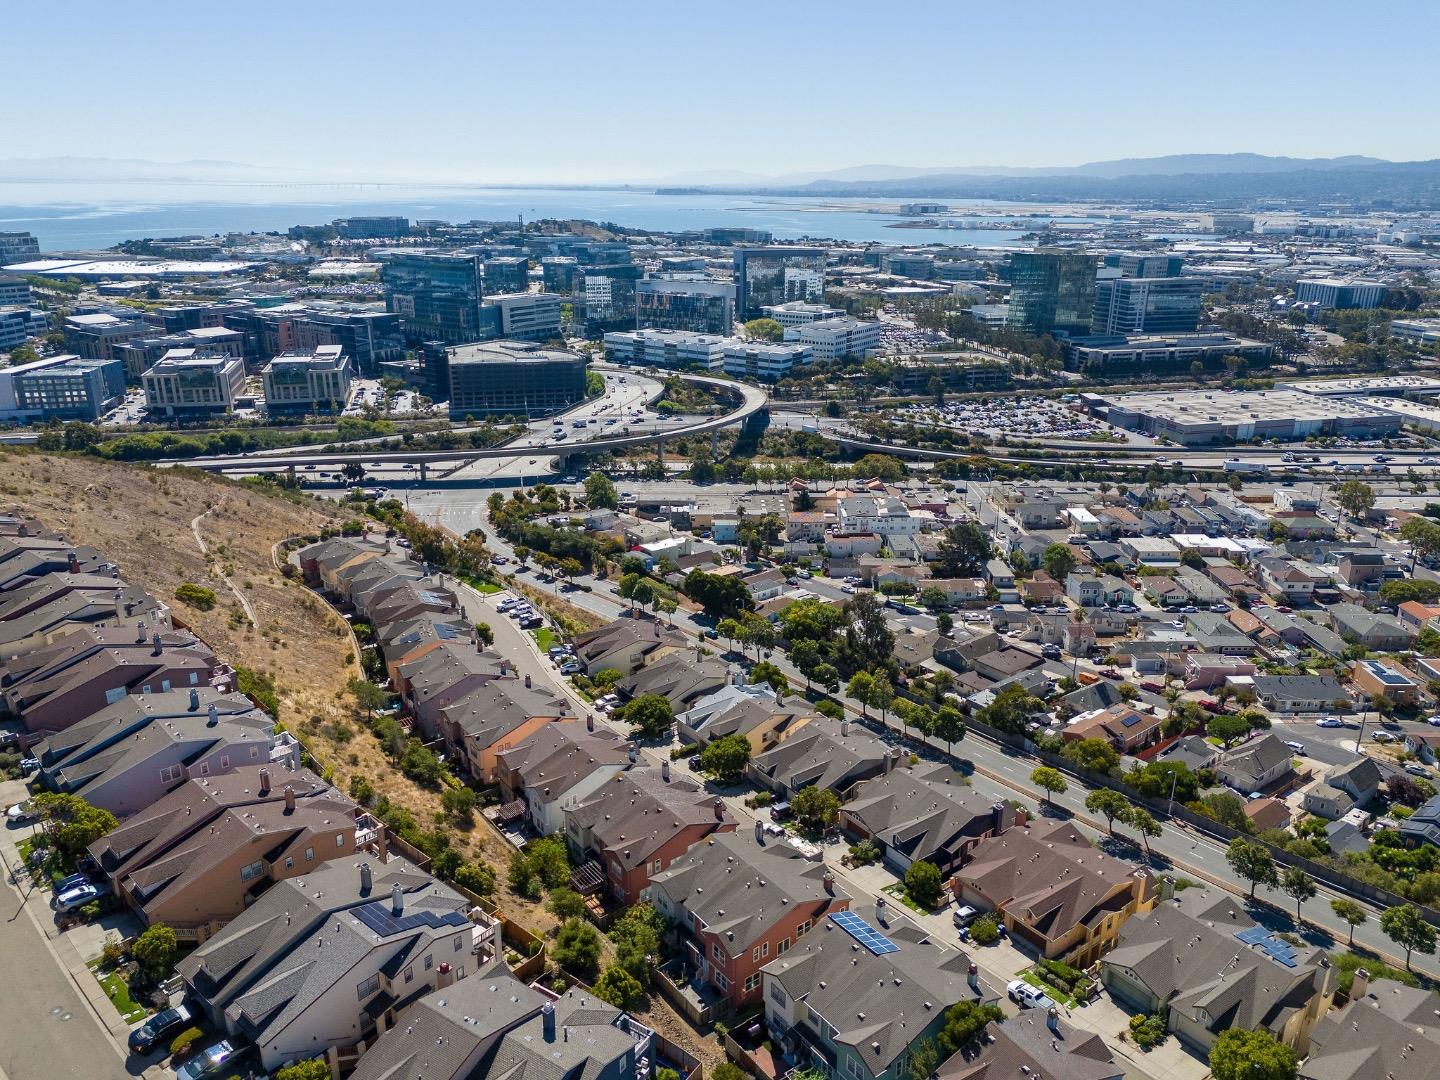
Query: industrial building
(1204, 417)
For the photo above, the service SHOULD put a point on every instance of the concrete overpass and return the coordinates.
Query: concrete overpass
(750, 401)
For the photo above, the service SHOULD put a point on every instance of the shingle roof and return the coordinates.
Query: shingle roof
(636, 812)
(1025, 1046)
(922, 812)
(1393, 1032)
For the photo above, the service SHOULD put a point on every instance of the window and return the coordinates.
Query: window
(752, 982)
(852, 1066)
(459, 942)
(460, 972)
(777, 994)
(716, 953)
(165, 685)
(368, 987)
(194, 678)
(253, 870)
(144, 690)
(309, 854)
(802, 929)
(112, 696)
(755, 955)
(254, 751)
(204, 768)
(340, 840)
(224, 761)
(409, 974)
(170, 774)
(429, 961)
(765, 948)
(655, 867)
(783, 947)
(289, 862)
(722, 982)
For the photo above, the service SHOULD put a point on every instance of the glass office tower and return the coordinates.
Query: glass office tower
(1051, 292)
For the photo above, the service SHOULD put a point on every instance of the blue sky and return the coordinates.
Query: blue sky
(575, 92)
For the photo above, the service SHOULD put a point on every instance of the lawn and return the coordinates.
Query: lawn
(119, 994)
(545, 637)
(1029, 976)
(897, 890)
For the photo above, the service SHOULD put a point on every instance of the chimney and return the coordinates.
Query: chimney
(24, 529)
(140, 632)
(367, 880)
(634, 753)
(997, 818)
(527, 680)
(844, 729)
(1052, 1021)
(480, 647)
(665, 770)
(972, 978)
(289, 799)
(719, 809)
(1361, 986)
(194, 699)
(759, 832)
(264, 781)
(547, 1020)
(155, 641)
(880, 910)
(892, 758)
(590, 722)
(1167, 888)
(397, 900)
(74, 563)
(828, 881)
(443, 976)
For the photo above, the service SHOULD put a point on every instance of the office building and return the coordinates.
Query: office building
(837, 339)
(798, 313)
(1051, 292)
(436, 296)
(140, 354)
(1139, 305)
(512, 378)
(520, 316)
(17, 247)
(97, 335)
(314, 381)
(60, 388)
(908, 265)
(608, 292)
(193, 382)
(1111, 354)
(372, 228)
(1201, 417)
(557, 274)
(507, 275)
(763, 360)
(368, 337)
(13, 290)
(1339, 293)
(766, 276)
(1229, 224)
(737, 236)
(18, 325)
(1144, 266)
(1422, 331)
(667, 348)
(701, 306)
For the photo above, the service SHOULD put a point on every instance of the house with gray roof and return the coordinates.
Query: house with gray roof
(1299, 693)
(1376, 631)
(678, 678)
(120, 605)
(560, 766)
(1203, 962)
(1343, 789)
(1423, 826)
(1386, 1032)
(324, 962)
(1256, 765)
(1032, 1045)
(831, 754)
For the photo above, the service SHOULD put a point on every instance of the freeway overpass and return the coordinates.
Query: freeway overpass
(750, 402)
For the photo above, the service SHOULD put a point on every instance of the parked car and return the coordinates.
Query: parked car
(212, 1061)
(21, 812)
(1382, 736)
(74, 881)
(963, 916)
(1298, 747)
(1414, 768)
(160, 1029)
(78, 897)
(571, 667)
(1434, 721)
(1027, 996)
(1335, 721)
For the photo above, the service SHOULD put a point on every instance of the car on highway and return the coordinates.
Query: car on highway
(1027, 996)
(160, 1029)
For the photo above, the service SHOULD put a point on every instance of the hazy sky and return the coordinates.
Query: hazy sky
(560, 91)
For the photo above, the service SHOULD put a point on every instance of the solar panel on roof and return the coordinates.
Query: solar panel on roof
(1130, 720)
(377, 917)
(864, 933)
(1279, 950)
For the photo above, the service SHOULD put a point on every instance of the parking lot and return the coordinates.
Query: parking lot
(1015, 417)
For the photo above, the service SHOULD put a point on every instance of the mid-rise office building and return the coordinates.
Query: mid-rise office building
(906, 265)
(1116, 354)
(798, 313)
(765, 276)
(368, 337)
(18, 324)
(17, 247)
(97, 335)
(701, 306)
(512, 378)
(608, 293)
(507, 275)
(764, 360)
(1051, 292)
(436, 296)
(728, 235)
(667, 348)
(60, 388)
(372, 228)
(557, 274)
(1424, 331)
(1144, 266)
(13, 290)
(520, 316)
(1138, 305)
(140, 354)
(1230, 224)
(837, 339)
(305, 382)
(1339, 293)
(193, 382)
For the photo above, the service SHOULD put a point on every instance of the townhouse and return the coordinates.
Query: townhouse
(1124, 727)
(495, 716)
(558, 767)
(1374, 678)
(1385, 1030)
(1031, 1045)
(1256, 765)
(833, 755)
(756, 712)
(626, 645)
(1376, 631)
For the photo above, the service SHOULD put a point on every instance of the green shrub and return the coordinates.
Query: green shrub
(759, 799)
(983, 931)
(864, 853)
(197, 596)
(181, 1042)
(688, 750)
(1148, 1031)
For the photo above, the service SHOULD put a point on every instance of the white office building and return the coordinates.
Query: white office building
(667, 348)
(880, 515)
(308, 382)
(1425, 331)
(799, 313)
(193, 381)
(764, 360)
(835, 339)
(1339, 293)
(526, 316)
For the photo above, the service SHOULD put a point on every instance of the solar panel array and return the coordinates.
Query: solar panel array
(1280, 951)
(1130, 719)
(377, 917)
(864, 933)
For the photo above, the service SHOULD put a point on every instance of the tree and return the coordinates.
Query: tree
(924, 1057)
(600, 493)
(1252, 863)
(827, 677)
(650, 714)
(1058, 560)
(1097, 755)
(621, 989)
(882, 694)
(71, 823)
(766, 672)
(1011, 709)
(1406, 927)
(1051, 781)
(637, 940)
(1298, 885)
(944, 623)
(1240, 1054)
(313, 1069)
(949, 725)
(1144, 823)
(1109, 803)
(155, 950)
(963, 1021)
(727, 1071)
(484, 633)
(577, 949)
(1352, 913)
(934, 598)
(459, 803)
(725, 758)
(923, 883)
(963, 550)
(1355, 497)
(1423, 536)
(477, 877)
(815, 807)
(1192, 558)
(367, 695)
(861, 687)
(868, 641)
(883, 467)
(1159, 779)
(1227, 727)
(764, 330)
(718, 595)
(565, 903)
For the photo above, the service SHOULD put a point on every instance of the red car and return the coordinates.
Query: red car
(1110, 673)
(1153, 687)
